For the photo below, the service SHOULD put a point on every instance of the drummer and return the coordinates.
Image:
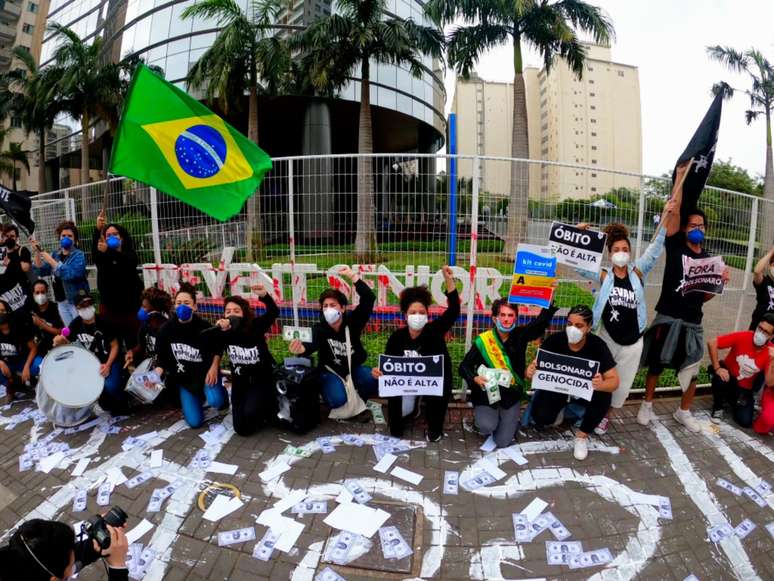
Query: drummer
(190, 366)
(95, 334)
(19, 361)
(154, 312)
(45, 317)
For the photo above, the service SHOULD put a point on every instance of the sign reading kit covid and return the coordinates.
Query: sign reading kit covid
(534, 276)
(703, 275)
(410, 375)
(577, 248)
(564, 374)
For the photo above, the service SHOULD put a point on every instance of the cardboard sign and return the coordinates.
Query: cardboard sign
(534, 275)
(410, 375)
(577, 248)
(565, 374)
(703, 275)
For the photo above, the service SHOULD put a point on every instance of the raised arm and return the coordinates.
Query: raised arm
(265, 321)
(672, 225)
(452, 312)
(536, 328)
(759, 272)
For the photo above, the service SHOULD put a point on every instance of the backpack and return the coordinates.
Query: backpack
(297, 386)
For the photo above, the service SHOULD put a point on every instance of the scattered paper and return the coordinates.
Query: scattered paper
(157, 459)
(384, 464)
(274, 471)
(290, 500)
(534, 509)
(515, 454)
(489, 444)
(137, 532)
(288, 529)
(222, 506)
(490, 468)
(407, 475)
(80, 467)
(48, 463)
(116, 476)
(221, 468)
(357, 518)
(344, 496)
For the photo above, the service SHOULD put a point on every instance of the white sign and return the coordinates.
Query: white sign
(577, 248)
(410, 375)
(565, 374)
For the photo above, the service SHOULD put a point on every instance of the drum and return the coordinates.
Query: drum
(144, 384)
(69, 385)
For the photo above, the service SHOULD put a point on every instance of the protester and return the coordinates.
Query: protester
(675, 338)
(42, 550)
(503, 347)
(117, 280)
(153, 314)
(577, 341)
(420, 338)
(764, 423)
(763, 281)
(97, 335)
(15, 252)
(337, 338)
(45, 317)
(242, 336)
(190, 366)
(733, 378)
(14, 281)
(620, 309)
(19, 360)
(67, 265)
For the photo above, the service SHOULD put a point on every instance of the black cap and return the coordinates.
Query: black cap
(82, 297)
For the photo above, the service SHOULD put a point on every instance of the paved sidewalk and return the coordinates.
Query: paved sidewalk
(611, 500)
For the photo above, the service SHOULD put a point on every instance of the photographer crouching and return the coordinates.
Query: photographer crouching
(44, 550)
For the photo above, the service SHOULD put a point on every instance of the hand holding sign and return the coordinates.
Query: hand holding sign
(577, 247)
(566, 374)
(410, 375)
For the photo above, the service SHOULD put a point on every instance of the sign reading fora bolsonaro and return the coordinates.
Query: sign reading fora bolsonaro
(577, 248)
(410, 375)
(564, 374)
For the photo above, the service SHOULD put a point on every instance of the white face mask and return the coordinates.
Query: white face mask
(620, 259)
(574, 335)
(86, 314)
(331, 315)
(760, 338)
(417, 321)
(41, 298)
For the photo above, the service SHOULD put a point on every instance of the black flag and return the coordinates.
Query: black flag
(17, 206)
(701, 149)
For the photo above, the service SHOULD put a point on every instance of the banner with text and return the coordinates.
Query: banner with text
(577, 248)
(534, 276)
(565, 374)
(410, 375)
(703, 275)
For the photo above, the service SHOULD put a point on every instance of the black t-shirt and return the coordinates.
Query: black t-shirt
(620, 313)
(147, 335)
(672, 302)
(96, 337)
(13, 345)
(764, 300)
(51, 316)
(594, 349)
(183, 353)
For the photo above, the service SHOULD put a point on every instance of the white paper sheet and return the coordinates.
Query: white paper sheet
(515, 454)
(289, 529)
(157, 459)
(221, 468)
(384, 464)
(534, 509)
(357, 518)
(222, 506)
(290, 500)
(274, 471)
(489, 444)
(491, 468)
(137, 532)
(48, 463)
(407, 475)
(116, 476)
(80, 467)
(344, 496)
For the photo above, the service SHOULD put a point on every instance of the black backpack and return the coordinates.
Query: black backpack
(297, 386)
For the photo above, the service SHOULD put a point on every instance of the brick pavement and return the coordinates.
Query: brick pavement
(468, 536)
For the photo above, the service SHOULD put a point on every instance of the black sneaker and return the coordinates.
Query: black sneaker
(433, 437)
(716, 416)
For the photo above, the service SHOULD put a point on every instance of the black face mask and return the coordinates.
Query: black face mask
(3, 318)
(10, 243)
(235, 322)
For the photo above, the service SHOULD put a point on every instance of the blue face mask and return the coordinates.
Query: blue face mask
(184, 313)
(695, 236)
(142, 315)
(113, 242)
(502, 328)
(66, 243)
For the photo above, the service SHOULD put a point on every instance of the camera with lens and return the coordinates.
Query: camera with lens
(96, 527)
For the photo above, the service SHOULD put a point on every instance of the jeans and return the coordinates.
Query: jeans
(18, 366)
(546, 405)
(498, 421)
(114, 399)
(739, 399)
(193, 406)
(335, 394)
(67, 311)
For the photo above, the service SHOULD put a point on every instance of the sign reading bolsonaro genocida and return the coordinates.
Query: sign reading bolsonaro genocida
(576, 247)
(564, 374)
(703, 275)
(410, 375)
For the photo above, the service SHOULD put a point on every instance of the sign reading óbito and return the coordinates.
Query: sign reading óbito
(410, 375)
(577, 248)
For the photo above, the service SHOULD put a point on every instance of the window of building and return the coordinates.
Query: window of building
(27, 28)
(620, 73)
(32, 7)
(593, 107)
(593, 134)
(591, 81)
(593, 189)
(593, 120)
(16, 122)
(593, 175)
(591, 68)
(592, 94)
(593, 148)
(24, 47)
(594, 161)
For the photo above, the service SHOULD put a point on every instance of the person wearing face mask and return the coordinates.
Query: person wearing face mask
(763, 281)
(420, 337)
(577, 340)
(620, 310)
(45, 317)
(45, 550)
(242, 336)
(329, 337)
(183, 354)
(733, 378)
(15, 280)
(97, 335)
(14, 253)
(503, 347)
(675, 338)
(67, 265)
(19, 360)
(118, 282)
(152, 315)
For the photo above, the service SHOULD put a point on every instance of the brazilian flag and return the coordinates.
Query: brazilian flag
(167, 139)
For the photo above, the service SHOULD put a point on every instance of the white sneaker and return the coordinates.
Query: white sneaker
(646, 413)
(581, 448)
(686, 418)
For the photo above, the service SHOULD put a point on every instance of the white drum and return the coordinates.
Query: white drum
(144, 384)
(69, 385)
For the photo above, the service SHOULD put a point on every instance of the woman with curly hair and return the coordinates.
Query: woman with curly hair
(420, 337)
(154, 312)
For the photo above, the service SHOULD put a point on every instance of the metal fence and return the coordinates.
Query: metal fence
(304, 224)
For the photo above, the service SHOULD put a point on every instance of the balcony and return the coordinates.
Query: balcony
(7, 33)
(10, 10)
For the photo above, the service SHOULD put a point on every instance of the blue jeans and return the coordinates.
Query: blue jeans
(18, 366)
(114, 398)
(333, 388)
(193, 406)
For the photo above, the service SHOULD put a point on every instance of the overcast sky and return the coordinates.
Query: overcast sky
(666, 40)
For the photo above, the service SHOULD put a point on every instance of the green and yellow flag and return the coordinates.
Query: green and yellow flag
(167, 139)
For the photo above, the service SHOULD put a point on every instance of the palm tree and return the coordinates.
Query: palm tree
(361, 33)
(551, 27)
(14, 154)
(246, 57)
(33, 98)
(761, 95)
(89, 85)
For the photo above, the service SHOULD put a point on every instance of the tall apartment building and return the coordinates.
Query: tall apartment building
(303, 12)
(594, 121)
